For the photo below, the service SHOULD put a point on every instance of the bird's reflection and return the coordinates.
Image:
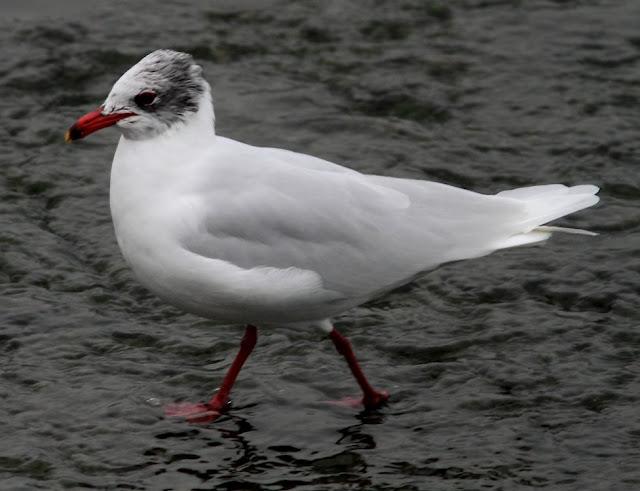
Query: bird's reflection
(248, 454)
(242, 457)
(354, 437)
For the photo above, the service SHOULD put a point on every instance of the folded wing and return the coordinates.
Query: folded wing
(266, 208)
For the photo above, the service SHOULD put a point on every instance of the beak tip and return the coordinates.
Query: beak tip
(72, 134)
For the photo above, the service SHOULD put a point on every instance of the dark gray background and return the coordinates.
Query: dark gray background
(514, 371)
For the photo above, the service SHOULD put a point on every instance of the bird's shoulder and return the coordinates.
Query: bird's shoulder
(234, 158)
(246, 174)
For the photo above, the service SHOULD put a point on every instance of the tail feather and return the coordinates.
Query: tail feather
(566, 230)
(544, 204)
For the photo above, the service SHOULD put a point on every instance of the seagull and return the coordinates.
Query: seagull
(264, 236)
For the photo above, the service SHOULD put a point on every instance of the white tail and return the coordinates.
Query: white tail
(544, 204)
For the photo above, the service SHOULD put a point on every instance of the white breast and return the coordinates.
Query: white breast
(155, 204)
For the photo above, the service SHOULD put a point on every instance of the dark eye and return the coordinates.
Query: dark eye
(145, 99)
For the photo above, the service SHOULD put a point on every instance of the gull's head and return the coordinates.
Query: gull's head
(164, 90)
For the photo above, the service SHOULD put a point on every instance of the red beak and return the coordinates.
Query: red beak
(92, 122)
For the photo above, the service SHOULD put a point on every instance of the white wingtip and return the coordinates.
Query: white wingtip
(546, 203)
(566, 230)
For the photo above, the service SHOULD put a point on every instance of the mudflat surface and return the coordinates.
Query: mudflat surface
(513, 371)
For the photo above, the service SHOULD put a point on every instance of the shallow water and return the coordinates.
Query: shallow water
(513, 371)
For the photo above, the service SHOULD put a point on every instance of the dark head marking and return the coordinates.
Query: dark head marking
(164, 88)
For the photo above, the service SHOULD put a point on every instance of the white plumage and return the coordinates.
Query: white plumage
(244, 234)
(238, 233)
(262, 236)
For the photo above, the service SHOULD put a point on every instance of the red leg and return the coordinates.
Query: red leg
(371, 397)
(206, 412)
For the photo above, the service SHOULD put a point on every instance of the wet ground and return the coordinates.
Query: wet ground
(514, 371)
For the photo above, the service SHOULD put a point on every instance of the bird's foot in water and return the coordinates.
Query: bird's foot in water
(206, 412)
(374, 400)
(194, 413)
